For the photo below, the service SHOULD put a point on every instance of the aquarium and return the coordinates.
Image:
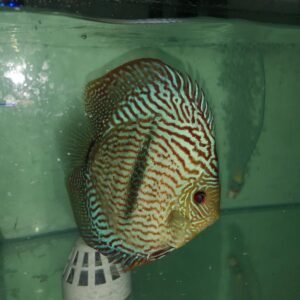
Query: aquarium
(250, 71)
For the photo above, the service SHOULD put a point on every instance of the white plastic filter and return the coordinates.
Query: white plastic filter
(89, 275)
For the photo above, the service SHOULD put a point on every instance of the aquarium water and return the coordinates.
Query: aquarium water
(250, 73)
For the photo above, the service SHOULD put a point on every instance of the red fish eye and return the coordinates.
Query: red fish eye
(199, 197)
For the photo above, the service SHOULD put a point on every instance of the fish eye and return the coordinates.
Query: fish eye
(199, 197)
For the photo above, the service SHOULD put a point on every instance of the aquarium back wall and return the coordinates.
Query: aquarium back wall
(249, 81)
(250, 72)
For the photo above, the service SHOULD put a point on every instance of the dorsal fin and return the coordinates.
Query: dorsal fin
(103, 96)
(204, 107)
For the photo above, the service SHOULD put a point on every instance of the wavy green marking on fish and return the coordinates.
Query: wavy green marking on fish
(149, 182)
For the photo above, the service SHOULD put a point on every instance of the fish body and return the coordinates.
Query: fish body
(149, 181)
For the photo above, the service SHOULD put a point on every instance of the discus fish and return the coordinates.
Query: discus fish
(149, 180)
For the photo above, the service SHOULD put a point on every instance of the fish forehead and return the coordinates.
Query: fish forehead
(151, 86)
(157, 98)
(174, 99)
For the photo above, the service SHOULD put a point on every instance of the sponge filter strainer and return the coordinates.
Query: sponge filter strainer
(89, 275)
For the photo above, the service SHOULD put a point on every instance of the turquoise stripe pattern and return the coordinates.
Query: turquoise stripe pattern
(150, 181)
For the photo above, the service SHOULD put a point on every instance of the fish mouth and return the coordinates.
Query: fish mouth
(213, 219)
(214, 216)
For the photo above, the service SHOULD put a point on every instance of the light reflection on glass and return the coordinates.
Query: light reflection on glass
(16, 73)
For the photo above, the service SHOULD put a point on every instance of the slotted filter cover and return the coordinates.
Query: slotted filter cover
(90, 275)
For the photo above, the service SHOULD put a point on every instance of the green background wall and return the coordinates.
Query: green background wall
(251, 76)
